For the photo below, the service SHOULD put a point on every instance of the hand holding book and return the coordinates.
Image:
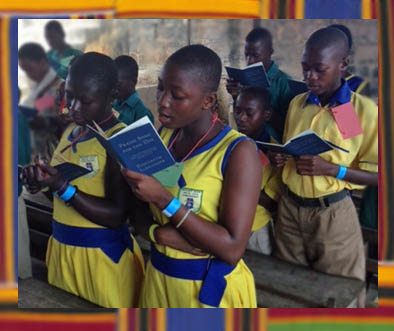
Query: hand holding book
(138, 147)
(313, 165)
(306, 143)
(253, 75)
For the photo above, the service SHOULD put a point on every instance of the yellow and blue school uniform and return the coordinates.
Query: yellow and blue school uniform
(317, 223)
(101, 265)
(356, 83)
(271, 181)
(177, 279)
(359, 152)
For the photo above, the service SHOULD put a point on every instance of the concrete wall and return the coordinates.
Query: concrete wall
(226, 37)
(151, 41)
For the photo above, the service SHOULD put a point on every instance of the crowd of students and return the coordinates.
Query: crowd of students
(231, 194)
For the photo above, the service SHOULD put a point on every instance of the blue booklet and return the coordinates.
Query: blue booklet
(69, 171)
(306, 143)
(297, 87)
(137, 147)
(253, 75)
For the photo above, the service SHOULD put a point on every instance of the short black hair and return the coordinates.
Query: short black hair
(32, 51)
(327, 37)
(96, 67)
(201, 59)
(260, 94)
(260, 34)
(128, 65)
(345, 30)
(55, 26)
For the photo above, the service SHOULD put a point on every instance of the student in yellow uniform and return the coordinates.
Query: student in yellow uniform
(91, 252)
(317, 222)
(252, 111)
(204, 221)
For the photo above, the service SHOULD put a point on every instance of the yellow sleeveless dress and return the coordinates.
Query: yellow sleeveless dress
(199, 189)
(110, 274)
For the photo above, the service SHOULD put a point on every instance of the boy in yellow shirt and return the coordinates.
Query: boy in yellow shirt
(317, 222)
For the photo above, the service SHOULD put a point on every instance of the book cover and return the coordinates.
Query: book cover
(137, 147)
(71, 171)
(253, 75)
(306, 143)
(297, 87)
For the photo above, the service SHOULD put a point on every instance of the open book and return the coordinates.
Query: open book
(306, 143)
(253, 75)
(137, 147)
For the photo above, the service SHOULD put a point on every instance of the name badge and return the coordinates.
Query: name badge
(347, 121)
(192, 199)
(90, 162)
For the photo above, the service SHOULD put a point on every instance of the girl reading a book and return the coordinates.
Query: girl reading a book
(91, 252)
(203, 221)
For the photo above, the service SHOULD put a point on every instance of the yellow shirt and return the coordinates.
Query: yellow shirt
(363, 149)
(201, 192)
(89, 154)
(203, 176)
(271, 184)
(89, 272)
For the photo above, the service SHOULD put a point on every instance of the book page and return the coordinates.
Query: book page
(142, 121)
(304, 133)
(257, 64)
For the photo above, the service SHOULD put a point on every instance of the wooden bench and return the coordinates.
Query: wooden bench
(35, 293)
(283, 285)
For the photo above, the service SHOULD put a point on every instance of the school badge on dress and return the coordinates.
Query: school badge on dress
(192, 199)
(90, 162)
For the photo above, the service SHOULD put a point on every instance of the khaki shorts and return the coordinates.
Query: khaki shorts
(326, 239)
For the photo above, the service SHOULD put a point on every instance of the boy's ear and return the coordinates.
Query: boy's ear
(209, 101)
(344, 63)
(267, 114)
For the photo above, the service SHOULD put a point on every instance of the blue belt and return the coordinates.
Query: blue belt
(112, 242)
(210, 271)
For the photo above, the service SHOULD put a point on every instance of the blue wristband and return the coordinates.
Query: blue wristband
(68, 193)
(341, 172)
(172, 207)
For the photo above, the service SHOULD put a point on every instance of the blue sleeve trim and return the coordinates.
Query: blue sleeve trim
(228, 151)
